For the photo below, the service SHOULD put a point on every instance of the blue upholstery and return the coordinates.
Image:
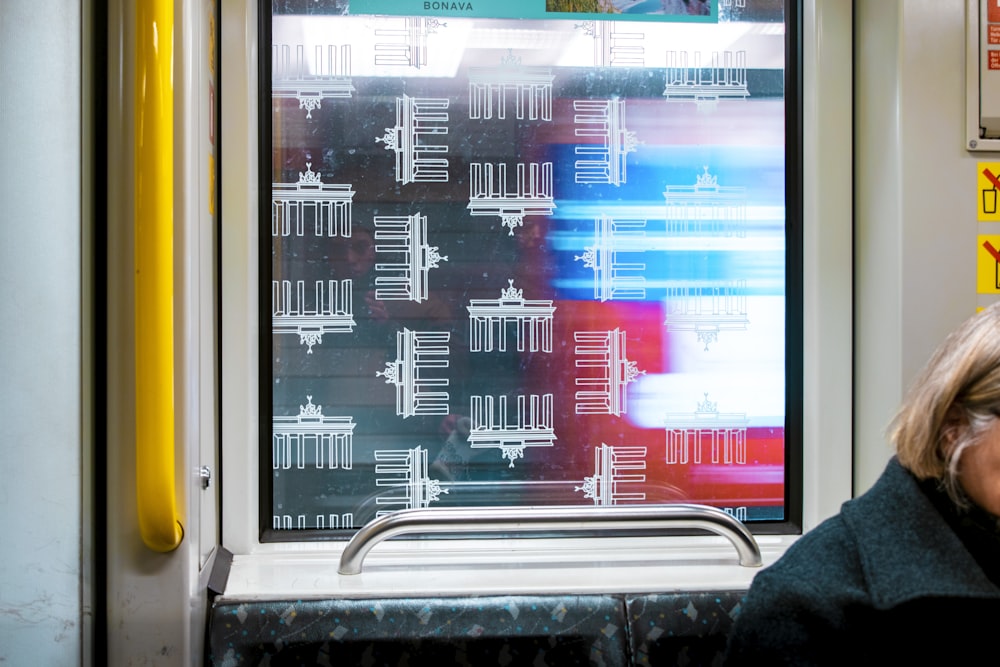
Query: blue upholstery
(682, 629)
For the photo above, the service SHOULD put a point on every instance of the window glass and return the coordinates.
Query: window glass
(525, 261)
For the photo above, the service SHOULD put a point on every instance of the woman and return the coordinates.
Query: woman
(909, 572)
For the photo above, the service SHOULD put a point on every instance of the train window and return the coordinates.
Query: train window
(520, 255)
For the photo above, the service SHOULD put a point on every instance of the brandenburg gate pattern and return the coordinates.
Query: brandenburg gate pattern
(327, 76)
(613, 468)
(531, 194)
(417, 352)
(405, 473)
(404, 237)
(603, 391)
(615, 279)
(418, 122)
(603, 162)
(492, 427)
(724, 435)
(488, 320)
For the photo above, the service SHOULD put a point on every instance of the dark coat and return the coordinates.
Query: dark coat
(885, 582)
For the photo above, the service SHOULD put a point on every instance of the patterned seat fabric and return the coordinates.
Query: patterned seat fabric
(681, 628)
(606, 630)
(502, 630)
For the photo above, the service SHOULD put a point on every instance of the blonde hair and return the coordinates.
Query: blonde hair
(951, 403)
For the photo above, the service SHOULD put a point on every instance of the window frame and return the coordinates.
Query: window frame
(825, 213)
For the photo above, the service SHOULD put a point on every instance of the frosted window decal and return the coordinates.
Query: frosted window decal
(614, 474)
(327, 207)
(603, 161)
(418, 355)
(533, 261)
(404, 239)
(529, 90)
(419, 153)
(615, 243)
(706, 78)
(489, 319)
(404, 474)
(309, 78)
(605, 372)
(706, 434)
(511, 431)
(328, 439)
(614, 44)
(530, 193)
(403, 41)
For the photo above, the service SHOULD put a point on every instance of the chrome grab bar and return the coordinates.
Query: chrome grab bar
(541, 519)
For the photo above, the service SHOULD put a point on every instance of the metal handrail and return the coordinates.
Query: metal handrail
(513, 520)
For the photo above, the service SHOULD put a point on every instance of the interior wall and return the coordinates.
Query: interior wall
(42, 564)
(915, 259)
(916, 205)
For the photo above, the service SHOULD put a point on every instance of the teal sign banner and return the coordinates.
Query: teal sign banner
(680, 11)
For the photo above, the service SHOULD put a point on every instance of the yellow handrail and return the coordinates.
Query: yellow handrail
(159, 523)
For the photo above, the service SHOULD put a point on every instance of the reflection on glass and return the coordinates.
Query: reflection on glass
(526, 263)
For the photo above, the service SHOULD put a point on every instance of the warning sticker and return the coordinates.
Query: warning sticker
(992, 12)
(988, 265)
(988, 191)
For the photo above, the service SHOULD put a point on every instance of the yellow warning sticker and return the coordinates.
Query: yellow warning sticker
(988, 191)
(988, 264)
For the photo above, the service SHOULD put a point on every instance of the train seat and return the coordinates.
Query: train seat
(686, 628)
(681, 628)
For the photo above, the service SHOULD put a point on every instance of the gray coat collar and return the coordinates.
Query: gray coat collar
(907, 550)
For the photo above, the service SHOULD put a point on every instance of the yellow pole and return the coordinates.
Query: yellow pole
(159, 523)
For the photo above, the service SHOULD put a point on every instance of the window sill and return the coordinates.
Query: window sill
(399, 568)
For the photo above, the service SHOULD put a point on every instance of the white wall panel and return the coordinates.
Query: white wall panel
(915, 205)
(41, 447)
